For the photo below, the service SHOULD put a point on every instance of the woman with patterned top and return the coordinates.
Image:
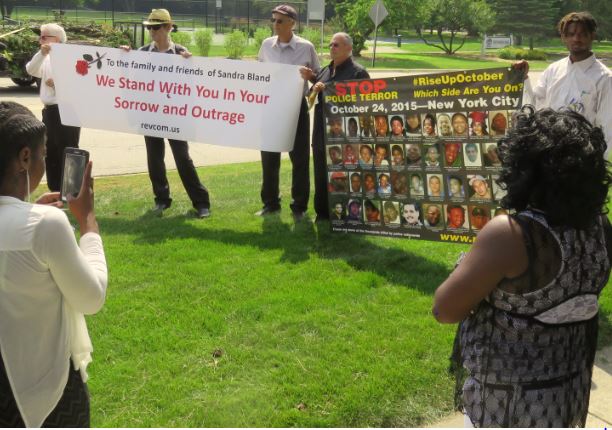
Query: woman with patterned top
(528, 310)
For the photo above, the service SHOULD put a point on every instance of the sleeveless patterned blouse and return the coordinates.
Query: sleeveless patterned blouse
(524, 357)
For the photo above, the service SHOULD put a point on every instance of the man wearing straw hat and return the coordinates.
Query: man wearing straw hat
(160, 26)
(287, 48)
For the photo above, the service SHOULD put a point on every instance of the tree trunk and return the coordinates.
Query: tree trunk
(358, 45)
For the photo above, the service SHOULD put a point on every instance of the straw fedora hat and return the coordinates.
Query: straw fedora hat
(158, 16)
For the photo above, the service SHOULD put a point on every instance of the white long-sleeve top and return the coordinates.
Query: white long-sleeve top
(583, 86)
(40, 67)
(47, 282)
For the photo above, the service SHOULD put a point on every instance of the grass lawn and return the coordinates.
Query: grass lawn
(310, 328)
(438, 61)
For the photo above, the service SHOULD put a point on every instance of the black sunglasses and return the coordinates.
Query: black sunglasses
(278, 21)
(154, 27)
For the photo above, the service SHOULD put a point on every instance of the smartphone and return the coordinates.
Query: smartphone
(73, 169)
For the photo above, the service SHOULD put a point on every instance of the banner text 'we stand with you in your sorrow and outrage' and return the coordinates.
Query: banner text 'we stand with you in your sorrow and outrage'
(216, 101)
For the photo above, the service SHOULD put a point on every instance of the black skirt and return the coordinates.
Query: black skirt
(72, 410)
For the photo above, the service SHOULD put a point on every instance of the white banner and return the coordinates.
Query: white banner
(244, 104)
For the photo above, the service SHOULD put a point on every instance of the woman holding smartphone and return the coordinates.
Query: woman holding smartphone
(48, 283)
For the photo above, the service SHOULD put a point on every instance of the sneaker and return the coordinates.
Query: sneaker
(202, 212)
(266, 210)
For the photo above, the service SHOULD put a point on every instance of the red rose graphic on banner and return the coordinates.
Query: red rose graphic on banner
(82, 66)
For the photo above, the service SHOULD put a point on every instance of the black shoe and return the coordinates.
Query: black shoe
(267, 211)
(159, 208)
(202, 212)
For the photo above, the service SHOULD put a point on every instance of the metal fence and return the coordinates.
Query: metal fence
(221, 15)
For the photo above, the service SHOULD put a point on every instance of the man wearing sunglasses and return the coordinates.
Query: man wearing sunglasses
(59, 136)
(160, 26)
(341, 68)
(287, 48)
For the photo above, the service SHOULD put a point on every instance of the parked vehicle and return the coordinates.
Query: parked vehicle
(17, 46)
(18, 43)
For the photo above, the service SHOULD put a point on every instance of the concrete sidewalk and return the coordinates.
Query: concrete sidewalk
(600, 406)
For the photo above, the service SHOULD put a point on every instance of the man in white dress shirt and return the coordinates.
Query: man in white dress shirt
(287, 48)
(579, 82)
(59, 136)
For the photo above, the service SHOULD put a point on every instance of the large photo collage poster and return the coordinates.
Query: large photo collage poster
(416, 156)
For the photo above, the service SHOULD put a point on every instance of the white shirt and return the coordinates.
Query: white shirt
(46, 284)
(584, 86)
(298, 51)
(40, 67)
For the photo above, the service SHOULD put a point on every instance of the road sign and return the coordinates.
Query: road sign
(316, 10)
(378, 12)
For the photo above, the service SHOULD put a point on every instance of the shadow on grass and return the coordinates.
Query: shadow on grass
(297, 242)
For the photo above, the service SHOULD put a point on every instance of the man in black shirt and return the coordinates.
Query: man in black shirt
(341, 68)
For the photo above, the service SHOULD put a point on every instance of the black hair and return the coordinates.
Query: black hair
(451, 207)
(483, 124)
(371, 205)
(382, 145)
(583, 18)
(397, 118)
(554, 161)
(457, 115)
(19, 129)
(430, 117)
(367, 146)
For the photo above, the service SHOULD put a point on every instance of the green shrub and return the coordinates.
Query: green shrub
(312, 35)
(260, 34)
(182, 38)
(514, 53)
(203, 40)
(235, 44)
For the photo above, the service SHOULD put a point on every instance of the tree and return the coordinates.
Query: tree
(453, 16)
(600, 9)
(355, 19)
(404, 14)
(530, 18)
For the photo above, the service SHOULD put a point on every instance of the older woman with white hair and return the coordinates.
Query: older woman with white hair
(59, 136)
